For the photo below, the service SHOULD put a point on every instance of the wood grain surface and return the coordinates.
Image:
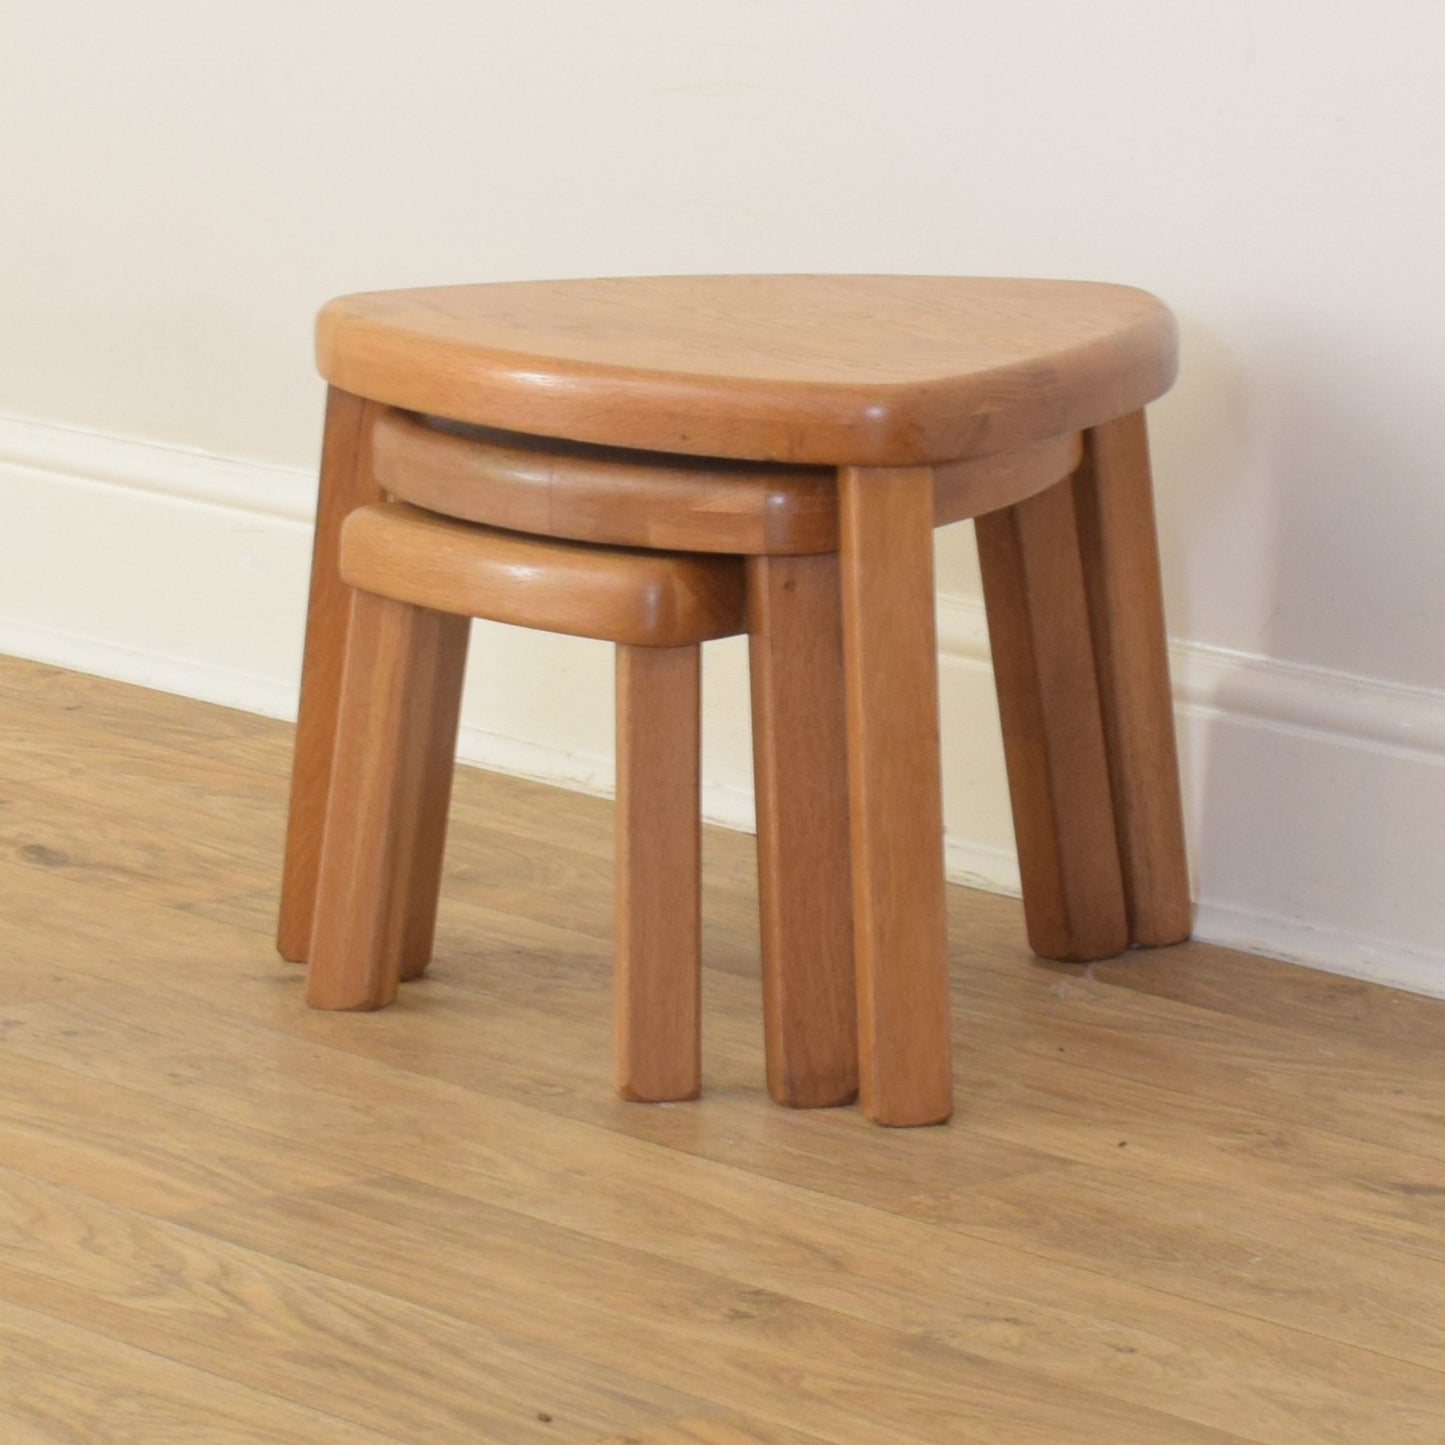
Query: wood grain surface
(1187, 1195)
(682, 504)
(605, 494)
(381, 858)
(800, 772)
(657, 994)
(649, 599)
(347, 482)
(890, 671)
(1115, 498)
(1053, 732)
(877, 371)
(713, 1431)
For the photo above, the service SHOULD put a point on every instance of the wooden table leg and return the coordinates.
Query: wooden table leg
(891, 676)
(346, 483)
(1053, 736)
(375, 809)
(658, 927)
(1120, 551)
(800, 768)
(441, 693)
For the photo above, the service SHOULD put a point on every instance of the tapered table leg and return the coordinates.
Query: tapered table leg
(1120, 552)
(346, 483)
(891, 677)
(375, 808)
(800, 769)
(441, 694)
(1053, 735)
(658, 927)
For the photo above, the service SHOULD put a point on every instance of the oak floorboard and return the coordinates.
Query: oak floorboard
(949, 1293)
(119, 849)
(474, 1044)
(62, 1385)
(125, 1147)
(559, 1062)
(622, 1307)
(117, 709)
(526, 963)
(346, 1349)
(1265, 990)
(998, 1302)
(1092, 1117)
(712, 1431)
(1337, 1082)
(1257, 1234)
(159, 1073)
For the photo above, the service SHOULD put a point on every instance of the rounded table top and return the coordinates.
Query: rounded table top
(842, 370)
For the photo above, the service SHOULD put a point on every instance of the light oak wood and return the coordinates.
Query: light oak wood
(800, 769)
(647, 599)
(711, 1432)
(878, 371)
(1053, 735)
(657, 1002)
(381, 867)
(239, 1202)
(954, 1269)
(1126, 605)
(153, 1155)
(922, 1394)
(371, 889)
(552, 488)
(974, 485)
(61, 1383)
(277, 1326)
(346, 482)
(440, 702)
(878, 374)
(555, 488)
(891, 677)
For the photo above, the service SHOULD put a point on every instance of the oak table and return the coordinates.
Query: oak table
(892, 385)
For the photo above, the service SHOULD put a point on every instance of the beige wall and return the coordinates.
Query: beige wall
(185, 182)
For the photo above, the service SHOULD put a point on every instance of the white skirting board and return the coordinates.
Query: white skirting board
(1316, 800)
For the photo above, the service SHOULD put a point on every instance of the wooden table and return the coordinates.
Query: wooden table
(889, 381)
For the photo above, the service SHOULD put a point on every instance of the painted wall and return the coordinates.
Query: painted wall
(185, 182)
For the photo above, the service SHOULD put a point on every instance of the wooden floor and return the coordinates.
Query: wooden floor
(1190, 1196)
